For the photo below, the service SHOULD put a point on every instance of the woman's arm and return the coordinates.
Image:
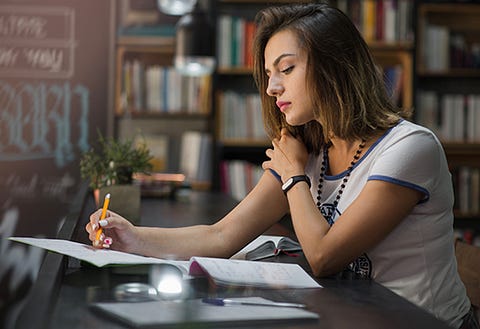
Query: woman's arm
(378, 209)
(259, 210)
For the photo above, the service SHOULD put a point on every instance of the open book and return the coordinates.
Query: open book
(267, 246)
(230, 272)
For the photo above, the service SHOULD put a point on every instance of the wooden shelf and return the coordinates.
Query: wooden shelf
(148, 42)
(450, 73)
(390, 56)
(163, 115)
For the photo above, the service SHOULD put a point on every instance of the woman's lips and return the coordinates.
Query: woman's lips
(282, 105)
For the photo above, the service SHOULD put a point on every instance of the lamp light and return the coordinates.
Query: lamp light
(194, 52)
(176, 7)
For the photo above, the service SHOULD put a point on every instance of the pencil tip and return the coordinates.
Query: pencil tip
(107, 196)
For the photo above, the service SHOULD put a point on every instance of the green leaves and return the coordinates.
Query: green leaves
(114, 162)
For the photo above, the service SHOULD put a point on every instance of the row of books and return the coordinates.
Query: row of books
(156, 89)
(189, 155)
(240, 116)
(470, 236)
(238, 177)
(466, 181)
(445, 49)
(196, 156)
(377, 20)
(381, 20)
(235, 41)
(453, 117)
(394, 77)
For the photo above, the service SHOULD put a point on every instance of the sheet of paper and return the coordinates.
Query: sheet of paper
(224, 271)
(254, 273)
(97, 257)
(160, 314)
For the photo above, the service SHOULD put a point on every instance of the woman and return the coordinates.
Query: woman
(366, 189)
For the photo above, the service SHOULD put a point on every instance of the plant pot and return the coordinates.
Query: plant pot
(124, 200)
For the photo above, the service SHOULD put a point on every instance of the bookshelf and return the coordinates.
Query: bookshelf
(391, 41)
(154, 103)
(241, 140)
(448, 96)
(387, 27)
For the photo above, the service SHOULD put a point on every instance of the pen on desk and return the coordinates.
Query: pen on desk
(102, 216)
(225, 302)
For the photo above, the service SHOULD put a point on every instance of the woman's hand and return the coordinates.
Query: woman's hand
(117, 232)
(288, 157)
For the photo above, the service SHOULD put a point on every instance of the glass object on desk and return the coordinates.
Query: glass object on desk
(167, 280)
(165, 283)
(135, 292)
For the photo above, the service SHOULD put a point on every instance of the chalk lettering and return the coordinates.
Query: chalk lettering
(8, 56)
(36, 121)
(23, 189)
(28, 188)
(57, 187)
(50, 59)
(23, 26)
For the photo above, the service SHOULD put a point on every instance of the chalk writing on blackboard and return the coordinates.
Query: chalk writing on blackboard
(36, 121)
(37, 42)
(30, 187)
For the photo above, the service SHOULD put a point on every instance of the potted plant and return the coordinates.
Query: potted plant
(110, 169)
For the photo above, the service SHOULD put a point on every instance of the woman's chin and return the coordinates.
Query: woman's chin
(295, 122)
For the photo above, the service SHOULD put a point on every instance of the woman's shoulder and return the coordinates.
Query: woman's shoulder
(410, 138)
(411, 132)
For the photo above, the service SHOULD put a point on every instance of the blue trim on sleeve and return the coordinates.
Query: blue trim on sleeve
(276, 175)
(403, 183)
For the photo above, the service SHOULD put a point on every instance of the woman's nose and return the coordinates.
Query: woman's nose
(274, 87)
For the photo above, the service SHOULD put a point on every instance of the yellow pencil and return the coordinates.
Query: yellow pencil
(102, 216)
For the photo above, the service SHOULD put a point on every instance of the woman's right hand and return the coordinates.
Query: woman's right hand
(117, 232)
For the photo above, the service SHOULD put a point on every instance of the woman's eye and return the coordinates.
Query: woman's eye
(288, 69)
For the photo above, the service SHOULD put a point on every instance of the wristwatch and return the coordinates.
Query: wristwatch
(294, 180)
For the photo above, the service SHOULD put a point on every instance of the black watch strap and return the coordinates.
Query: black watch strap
(289, 183)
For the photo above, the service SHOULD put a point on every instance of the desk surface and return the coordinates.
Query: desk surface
(342, 303)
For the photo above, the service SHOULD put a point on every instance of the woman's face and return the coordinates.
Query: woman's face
(285, 65)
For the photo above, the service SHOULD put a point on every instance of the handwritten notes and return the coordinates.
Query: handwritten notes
(222, 271)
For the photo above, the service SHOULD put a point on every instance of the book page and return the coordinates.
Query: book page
(254, 244)
(97, 257)
(236, 272)
(252, 273)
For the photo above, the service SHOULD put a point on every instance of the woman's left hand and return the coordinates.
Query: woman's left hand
(288, 157)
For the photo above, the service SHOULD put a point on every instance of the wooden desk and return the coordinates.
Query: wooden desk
(64, 289)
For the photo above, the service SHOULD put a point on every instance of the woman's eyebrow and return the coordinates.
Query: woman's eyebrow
(278, 59)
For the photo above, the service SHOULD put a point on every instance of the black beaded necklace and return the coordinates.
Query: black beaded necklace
(345, 179)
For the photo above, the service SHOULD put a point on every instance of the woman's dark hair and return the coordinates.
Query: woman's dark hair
(347, 90)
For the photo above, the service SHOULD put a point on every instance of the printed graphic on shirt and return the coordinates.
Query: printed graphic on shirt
(330, 212)
(362, 266)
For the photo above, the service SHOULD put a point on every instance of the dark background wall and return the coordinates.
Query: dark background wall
(55, 58)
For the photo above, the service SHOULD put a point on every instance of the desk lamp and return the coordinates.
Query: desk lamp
(194, 50)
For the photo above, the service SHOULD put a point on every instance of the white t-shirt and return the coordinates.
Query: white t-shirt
(417, 259)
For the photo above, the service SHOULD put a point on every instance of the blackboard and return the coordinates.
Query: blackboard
(55, 59)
